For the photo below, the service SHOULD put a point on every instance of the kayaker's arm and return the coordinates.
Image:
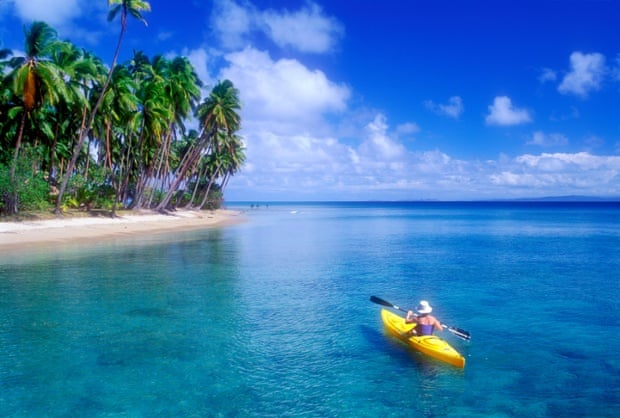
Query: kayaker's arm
(436, 324)
(411, 317)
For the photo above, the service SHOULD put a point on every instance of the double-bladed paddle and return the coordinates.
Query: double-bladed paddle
(456, 331)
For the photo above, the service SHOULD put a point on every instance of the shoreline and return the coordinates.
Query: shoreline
(25, 235)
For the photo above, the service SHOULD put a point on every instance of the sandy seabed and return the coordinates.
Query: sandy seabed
(26, 234)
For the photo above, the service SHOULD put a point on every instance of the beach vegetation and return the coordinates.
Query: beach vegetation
(23, 185)
(112, 137)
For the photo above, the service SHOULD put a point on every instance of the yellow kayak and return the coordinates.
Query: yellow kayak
(429, 345)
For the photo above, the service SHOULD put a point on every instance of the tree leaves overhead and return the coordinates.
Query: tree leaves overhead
(39, 40)
(132, 7)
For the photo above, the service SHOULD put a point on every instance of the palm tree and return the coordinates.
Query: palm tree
(226, 158)
(119, 106)
(81, 71)
(219, 110)
(182, 92)
(36, 80)
(156, 114)
(124, 7)
(217, 113)
(234, 161)
(6, 101)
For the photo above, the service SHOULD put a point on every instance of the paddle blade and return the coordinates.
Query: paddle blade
(380, 301)
(385, 303)
(459, 332)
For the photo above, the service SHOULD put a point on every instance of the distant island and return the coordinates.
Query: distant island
(571, 198)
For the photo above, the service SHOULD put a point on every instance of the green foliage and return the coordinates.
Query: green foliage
(91, 193)
(30, 187)
(34, 194)
(137, 141)
(216, 197)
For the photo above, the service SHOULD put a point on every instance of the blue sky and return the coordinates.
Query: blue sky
(390, 100)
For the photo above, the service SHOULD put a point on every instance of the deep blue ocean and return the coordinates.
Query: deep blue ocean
(271, 317)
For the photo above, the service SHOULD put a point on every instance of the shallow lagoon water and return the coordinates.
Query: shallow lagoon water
(272, 317)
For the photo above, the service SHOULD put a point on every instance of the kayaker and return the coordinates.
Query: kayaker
(425, 322)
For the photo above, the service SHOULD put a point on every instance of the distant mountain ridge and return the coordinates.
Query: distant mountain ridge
(570, 198)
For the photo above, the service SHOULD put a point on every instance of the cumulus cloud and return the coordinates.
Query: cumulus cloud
(454, 108)
(282, 89)
(65, 16)
(199, 58)
(583, 160)
(232, 23)
(586, 74)
(561, 173)
(55, 13)
(379, 145)
(502, 112)
(293, 119)
(379, 166)
(307, 30)
(548, 140)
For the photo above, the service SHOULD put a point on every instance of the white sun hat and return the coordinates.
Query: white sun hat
(424, 308)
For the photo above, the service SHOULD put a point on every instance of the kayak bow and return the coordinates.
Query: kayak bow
(430, 345)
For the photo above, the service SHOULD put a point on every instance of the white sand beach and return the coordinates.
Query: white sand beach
(25, 234)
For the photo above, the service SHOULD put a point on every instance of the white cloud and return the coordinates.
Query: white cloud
(379, 146)
(584, 160)
(282, 90)
(67, 17)
(314, 167)
(502, 112)
(307, 30)
(322, 167)
(232, 23)
(199, 58)
(55, 13)
(586, 74)
(548, 140)
(454, 108)
(560, 173)
(292, 113)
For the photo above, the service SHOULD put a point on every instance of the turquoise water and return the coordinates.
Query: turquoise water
(272, 317)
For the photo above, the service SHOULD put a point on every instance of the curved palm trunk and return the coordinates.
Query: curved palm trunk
(18, 146)
(211, 181)
(142, 173)
(180, 176)
(111, 167)
(85, 129)
(201, 173)
(161, 156)
(52, 156)
(193, 156)
(12, 203)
